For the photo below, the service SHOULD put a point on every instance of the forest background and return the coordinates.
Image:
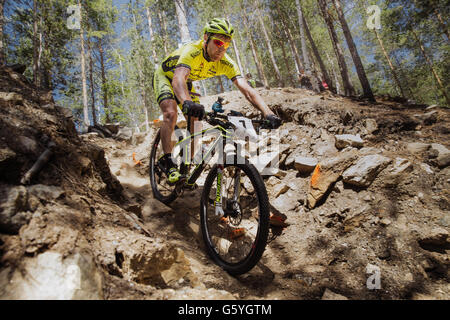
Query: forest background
(98, 56)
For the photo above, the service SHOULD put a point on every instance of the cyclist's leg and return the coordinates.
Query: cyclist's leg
(169, 110)
(167, 102)
(195, 125)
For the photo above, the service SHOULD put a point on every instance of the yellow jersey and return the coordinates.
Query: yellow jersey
(191, 56)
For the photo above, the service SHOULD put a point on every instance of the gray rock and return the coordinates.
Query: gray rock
(417, 147)
(365, 170)
(430, 117)
(441, 153)
(279, 189)
(27, 145)
(305, 165)
(330, 295)
(6, 154)
(325, 148)
(196, 294)
(397, 170)
(344, 140)
(328, 172)
(65, 112)
(13, 201)
(125, 134)
(436, 236)
(286, 202)
(13, 97)
(47, 193)
(51, 276)
(371, 125)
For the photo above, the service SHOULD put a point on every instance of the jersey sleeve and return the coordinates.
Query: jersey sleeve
(229, 68)
(187, 56)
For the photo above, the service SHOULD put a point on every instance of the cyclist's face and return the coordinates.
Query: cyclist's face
(214, 49)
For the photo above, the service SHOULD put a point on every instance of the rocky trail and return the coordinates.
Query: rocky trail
(365, 189)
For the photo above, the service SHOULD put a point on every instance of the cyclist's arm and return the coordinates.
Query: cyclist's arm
(179, 85)
(252, 96)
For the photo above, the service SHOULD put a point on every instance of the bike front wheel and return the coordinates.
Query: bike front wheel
(235, 235)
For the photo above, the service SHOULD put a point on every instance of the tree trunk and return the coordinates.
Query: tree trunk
(164, 31)
(104, 85)
(2, 46)
(348, 87)
(233, 41)
(323, 69)
(269, 46)
(222, 89)
(354, 52)
(91, 82)
(182, 21)
(83, 74)
(35, 44)
(150, 30)
(336, 80)
(301, 24)
(295, 54)
(259, 66)
(394, 72)
(430, 63)
(141, 78)
(40, 51)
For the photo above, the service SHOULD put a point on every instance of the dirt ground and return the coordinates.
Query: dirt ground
(387, 240)
(326, 247)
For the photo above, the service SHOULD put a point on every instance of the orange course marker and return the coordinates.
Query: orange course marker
(315, 176)
(136, 162)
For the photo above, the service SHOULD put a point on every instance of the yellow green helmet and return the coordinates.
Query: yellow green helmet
(220, 26)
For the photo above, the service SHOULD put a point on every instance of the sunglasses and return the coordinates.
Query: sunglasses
(220, 43)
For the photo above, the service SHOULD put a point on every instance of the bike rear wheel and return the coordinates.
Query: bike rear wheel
(246, 207)
(162, 191)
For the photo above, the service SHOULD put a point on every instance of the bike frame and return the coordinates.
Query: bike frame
(192, 176)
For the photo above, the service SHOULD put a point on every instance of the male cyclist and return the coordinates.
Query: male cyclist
(202, 59)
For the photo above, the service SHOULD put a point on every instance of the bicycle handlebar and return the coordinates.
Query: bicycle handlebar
(212, 118)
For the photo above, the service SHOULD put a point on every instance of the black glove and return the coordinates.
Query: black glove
(275, 122)
(193, 109)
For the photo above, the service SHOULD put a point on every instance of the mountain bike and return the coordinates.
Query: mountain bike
(234, 206)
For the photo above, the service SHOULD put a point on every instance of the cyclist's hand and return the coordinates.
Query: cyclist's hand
(193, 109)
(275, 122)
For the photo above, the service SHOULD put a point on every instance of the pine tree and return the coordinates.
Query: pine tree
(348, 87)
(2, 45)
(354, 52)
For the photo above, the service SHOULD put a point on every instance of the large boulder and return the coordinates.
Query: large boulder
(304, 164)
(53, 276)
(440, 154)
(365, 170)
(345, 140)
(417, 147)
(328, 172)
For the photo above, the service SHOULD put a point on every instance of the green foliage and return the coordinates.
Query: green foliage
(128, 62)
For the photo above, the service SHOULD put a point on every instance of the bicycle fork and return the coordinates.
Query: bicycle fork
(218, 203)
